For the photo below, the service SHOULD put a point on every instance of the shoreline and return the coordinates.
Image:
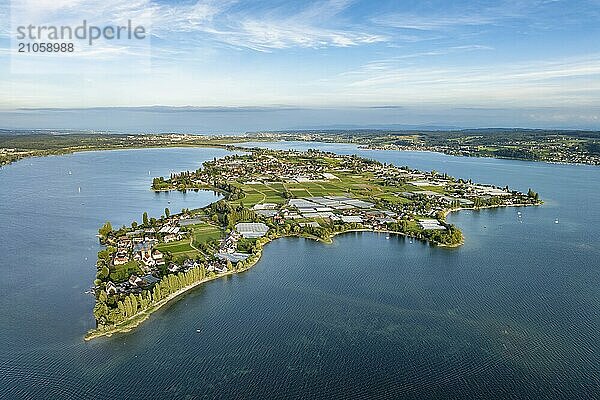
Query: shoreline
(367, 147)
(73, 150)
(134, 321)
(447, 212)
(235, 145)
(448, 239)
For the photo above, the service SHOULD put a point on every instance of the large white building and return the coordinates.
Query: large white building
(252, 230)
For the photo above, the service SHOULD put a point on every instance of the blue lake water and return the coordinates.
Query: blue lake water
(514, 313)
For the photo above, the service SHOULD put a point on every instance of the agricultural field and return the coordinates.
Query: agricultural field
(199, 233)
(178, 248)
(205, 232)
(363, 186)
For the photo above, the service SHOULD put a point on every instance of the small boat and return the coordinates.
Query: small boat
(387, 237)
(70, 173)
(197, 330)
(79, 190)
(556, 221)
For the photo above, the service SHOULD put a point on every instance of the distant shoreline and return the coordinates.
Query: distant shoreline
(15, 148)
(367, 147)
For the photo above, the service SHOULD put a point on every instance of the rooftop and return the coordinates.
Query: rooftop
(252, 229)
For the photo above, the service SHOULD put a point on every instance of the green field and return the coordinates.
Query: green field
(120, 273)
(199, 233)
(362, 186)
(181, 246)
(179, 249)
(205, 232)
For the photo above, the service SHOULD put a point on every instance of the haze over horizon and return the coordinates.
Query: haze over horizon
(275, 64)
(236, 120)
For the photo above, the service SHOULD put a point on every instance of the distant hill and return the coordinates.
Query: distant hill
(23, 132)
(379, 127)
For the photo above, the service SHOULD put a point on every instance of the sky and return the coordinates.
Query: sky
(529, 63)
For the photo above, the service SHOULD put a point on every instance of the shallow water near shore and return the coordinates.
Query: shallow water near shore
(511, 314)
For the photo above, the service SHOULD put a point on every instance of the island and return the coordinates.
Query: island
(270, 194)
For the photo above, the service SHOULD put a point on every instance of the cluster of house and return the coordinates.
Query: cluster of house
(139, 245)
(123, 249)
(139, 249)
(263, 167)
(145, 253)
(135, 284)
(228, 248)
(213, 265)
(170, 233)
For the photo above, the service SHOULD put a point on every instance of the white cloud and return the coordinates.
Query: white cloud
(212, 21)
(269, 35)
(471, 15)
(430, 23)
(264, 31)
(551, 82)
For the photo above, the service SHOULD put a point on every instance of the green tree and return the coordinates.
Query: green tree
(103, 273)
(167, 212)
(105, 230)
(101, 313)
(533, 195)
(145, 219)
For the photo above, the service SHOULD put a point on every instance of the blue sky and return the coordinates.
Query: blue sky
(531, 62)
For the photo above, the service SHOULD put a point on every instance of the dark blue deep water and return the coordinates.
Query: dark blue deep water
(512, 314)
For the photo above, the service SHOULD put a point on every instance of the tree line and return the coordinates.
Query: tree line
(112, 310)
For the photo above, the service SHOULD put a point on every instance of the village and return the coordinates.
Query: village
(351, 192)
(270, 194)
